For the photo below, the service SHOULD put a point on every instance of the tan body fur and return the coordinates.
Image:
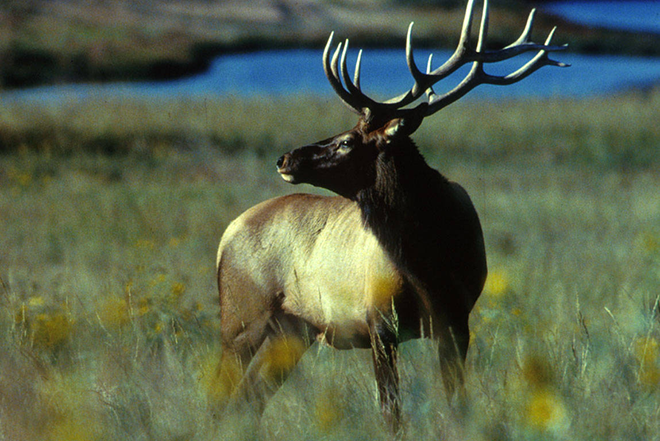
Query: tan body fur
(303, 256)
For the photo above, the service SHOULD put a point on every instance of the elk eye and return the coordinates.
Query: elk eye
(345, 146)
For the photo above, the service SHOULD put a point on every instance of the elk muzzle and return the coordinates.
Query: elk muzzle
(304, 164)
(283, 168)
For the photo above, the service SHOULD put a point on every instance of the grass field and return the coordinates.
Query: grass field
(110, 215)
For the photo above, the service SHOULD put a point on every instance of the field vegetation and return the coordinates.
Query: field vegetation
(110, 215)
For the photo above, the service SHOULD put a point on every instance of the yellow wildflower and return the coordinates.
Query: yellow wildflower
(36, 302)
(114, 312)
(178, 289)
(219, 377)
(145, 243)
(50, 329)
(546, 410)
(328, 410)
(497, 284)
(281, 357)
(647, 352)
(143, 307)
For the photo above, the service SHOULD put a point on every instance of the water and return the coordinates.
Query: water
(291, 72)
(641, 16)
(385, 74)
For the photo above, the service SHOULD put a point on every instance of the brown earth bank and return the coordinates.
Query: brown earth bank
(65, 41)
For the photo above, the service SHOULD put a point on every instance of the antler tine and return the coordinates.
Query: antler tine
(524, 37)
(477, 76)
(418, 75)
(430, 93)
(540, 59)
(354, 90)
(358, 65)
(466, 29)
(420, 78)
(483, 28)
(462, 55)
(331, 72)
(477, 67)
(351, 93)
(562, 47)
(521, 45)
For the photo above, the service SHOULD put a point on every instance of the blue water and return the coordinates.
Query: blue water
(385, 74)
(629, 15)
(290, 72)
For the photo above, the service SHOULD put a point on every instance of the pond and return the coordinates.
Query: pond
(385, 74)
(630, 15)
(295, 72)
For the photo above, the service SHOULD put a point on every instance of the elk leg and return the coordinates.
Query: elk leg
(452, 350)
(286, 339)
(384, 347)
(238, 349)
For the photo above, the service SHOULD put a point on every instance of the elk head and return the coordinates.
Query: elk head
(346, 163)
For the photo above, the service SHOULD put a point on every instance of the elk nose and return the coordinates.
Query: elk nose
(282, 161)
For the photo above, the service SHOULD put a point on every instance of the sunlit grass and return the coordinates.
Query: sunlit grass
(108, 303)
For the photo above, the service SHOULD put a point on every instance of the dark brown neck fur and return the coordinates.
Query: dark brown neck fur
(425, 222)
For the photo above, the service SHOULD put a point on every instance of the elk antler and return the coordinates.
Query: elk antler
(351, 94)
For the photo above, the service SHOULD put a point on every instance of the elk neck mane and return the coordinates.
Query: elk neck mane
(401, 207)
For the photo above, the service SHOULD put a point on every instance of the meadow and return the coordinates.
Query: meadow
(110, 216)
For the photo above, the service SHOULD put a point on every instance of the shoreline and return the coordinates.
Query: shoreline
(70, 42)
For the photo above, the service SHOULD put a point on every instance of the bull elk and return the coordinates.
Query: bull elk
(399, 254)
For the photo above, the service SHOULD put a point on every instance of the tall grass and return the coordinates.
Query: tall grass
(111, 212)
(618, 132)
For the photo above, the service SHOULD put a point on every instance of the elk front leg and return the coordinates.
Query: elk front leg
(384, 347)
(452, 350)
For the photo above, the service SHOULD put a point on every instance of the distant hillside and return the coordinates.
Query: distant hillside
(46, 41)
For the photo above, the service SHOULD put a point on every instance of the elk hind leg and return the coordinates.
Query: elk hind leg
(238, 352)
(286, 339)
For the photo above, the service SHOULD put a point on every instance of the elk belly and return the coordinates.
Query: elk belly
(340, 284)
(331, 300)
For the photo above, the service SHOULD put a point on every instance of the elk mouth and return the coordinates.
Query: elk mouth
(288, 177)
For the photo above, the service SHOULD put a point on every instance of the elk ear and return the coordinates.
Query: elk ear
(393, 128)
(402, 126)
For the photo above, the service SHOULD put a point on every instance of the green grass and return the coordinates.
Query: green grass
(111, 213)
